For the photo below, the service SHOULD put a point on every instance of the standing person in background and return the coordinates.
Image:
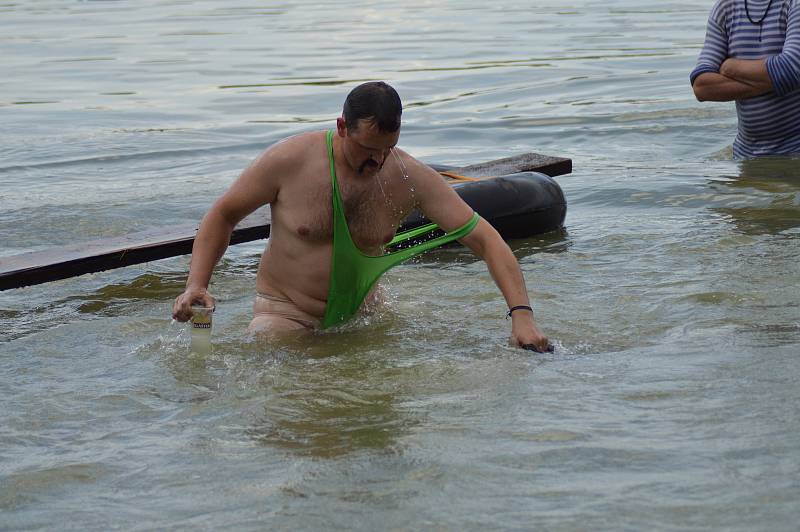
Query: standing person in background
(751, 55)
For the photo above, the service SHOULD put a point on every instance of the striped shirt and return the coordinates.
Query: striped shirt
(768, 124)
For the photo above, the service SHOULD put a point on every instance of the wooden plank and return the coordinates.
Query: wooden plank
(108, 253)
(527, 162)
(103, 254)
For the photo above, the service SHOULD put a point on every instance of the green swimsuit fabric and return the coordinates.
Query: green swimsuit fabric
(353, 273)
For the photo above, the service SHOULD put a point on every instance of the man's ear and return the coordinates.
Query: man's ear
(341, 127)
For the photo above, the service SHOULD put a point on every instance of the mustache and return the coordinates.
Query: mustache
(371, 163)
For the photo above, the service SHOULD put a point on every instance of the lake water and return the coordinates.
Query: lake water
(670, 403)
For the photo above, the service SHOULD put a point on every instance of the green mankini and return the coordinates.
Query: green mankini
(353, 273)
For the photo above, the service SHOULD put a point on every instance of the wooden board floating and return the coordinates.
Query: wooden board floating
(116, 252)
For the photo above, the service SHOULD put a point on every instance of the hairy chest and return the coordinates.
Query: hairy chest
(373, 212)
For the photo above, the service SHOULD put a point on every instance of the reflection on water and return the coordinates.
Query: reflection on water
(771, 168)
(764, 198)
(334, 414)
(317, 395)
(108, 299)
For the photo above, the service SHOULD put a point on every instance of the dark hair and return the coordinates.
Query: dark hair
(373, 101)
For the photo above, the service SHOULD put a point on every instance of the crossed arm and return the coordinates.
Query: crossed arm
(718, 77)
(737, 79)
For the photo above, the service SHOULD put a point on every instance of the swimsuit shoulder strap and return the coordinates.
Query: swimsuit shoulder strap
(417, 249)
(337, 198)
(341, 233)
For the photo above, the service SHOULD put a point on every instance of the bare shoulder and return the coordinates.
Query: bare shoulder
(417, 172)
(434, 197)
(262, 181)
(291, 153)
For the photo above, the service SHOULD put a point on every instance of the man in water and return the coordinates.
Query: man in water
(752, 55)
(336, 197)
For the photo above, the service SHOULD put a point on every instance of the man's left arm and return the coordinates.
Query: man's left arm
(784, 68)
(443, 206)
(487, 243)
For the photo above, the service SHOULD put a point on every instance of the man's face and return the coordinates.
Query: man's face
(367, 148)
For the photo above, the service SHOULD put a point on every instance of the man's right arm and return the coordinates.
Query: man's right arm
(209, 245)
(256, 186)
(715, 87)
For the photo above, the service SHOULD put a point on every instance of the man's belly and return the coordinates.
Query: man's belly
(304, 282)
